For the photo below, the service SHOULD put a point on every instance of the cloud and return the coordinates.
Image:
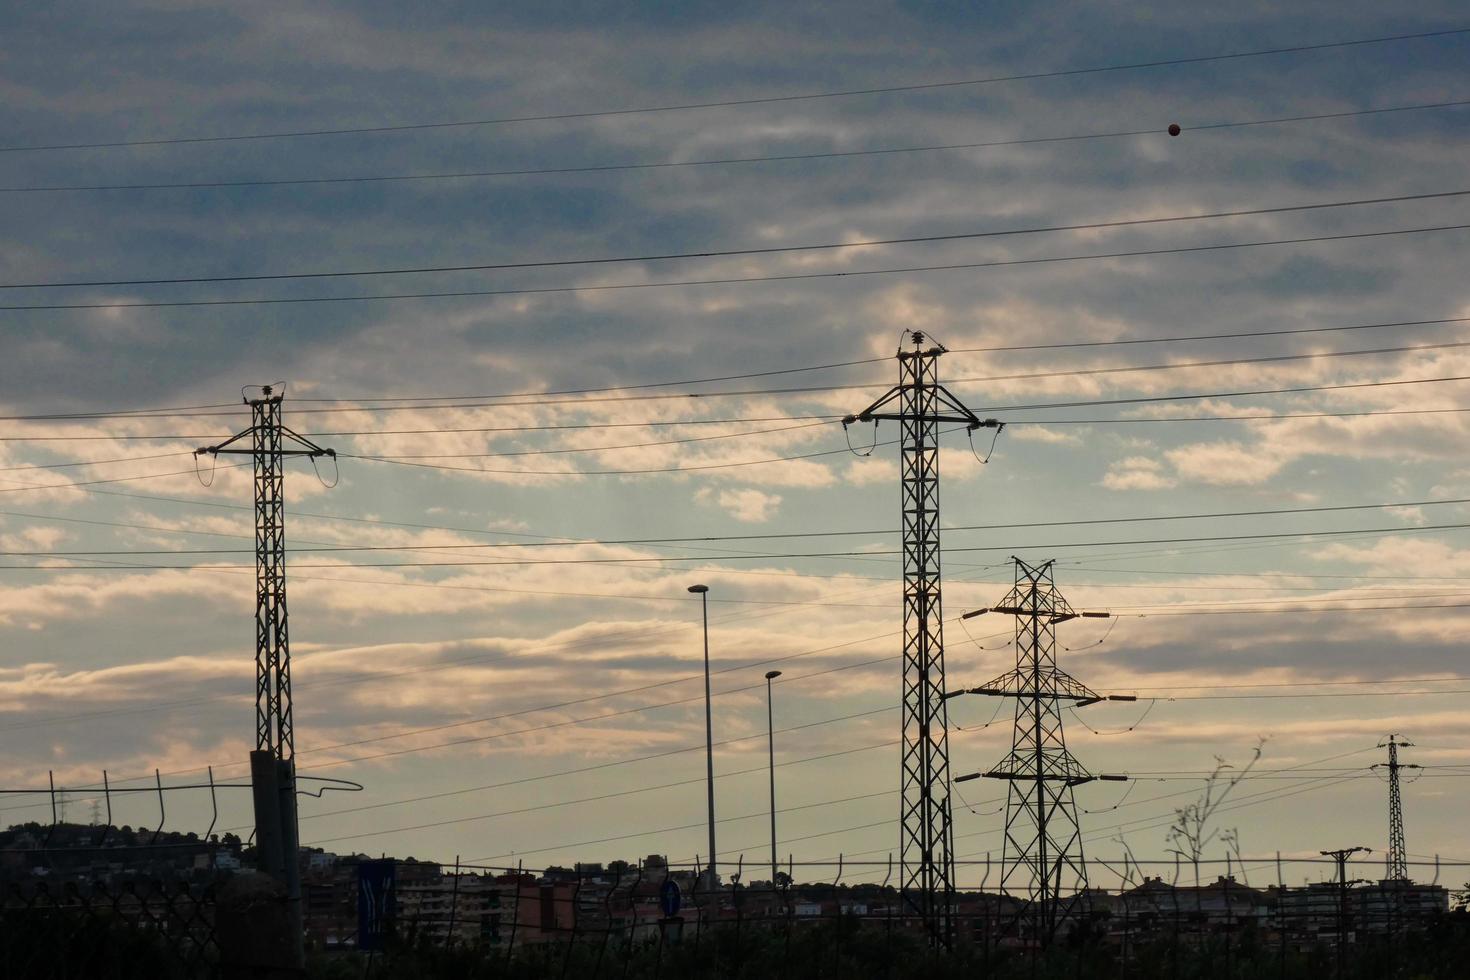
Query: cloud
(1224, 463)
(749, 505)
(1137, 473)
(1039, 433)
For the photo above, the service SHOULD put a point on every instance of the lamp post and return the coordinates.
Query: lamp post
(709, 732)
(771, 750)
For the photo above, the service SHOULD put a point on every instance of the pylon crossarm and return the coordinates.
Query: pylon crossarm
(956, 412)
(960, 412)
(870, 414)
(1048, 683)
(1031, 777)
(308, 448)
(220, 449)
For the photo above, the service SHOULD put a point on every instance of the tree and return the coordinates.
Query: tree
(1191, 833)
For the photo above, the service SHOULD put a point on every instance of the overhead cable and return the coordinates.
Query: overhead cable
(730, 253)
(755, 100)
(225, 184)
(730, 280)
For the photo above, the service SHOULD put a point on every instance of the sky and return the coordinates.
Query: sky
(501, 657)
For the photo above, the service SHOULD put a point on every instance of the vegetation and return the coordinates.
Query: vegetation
(843, 949)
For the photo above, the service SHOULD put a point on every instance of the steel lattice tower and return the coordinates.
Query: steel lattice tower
(1398, 861)
(1043, 840)
(273, 764)
(919, 403)
(268, 437)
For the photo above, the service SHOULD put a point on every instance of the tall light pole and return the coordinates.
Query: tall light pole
(709, 732)
(771, 749)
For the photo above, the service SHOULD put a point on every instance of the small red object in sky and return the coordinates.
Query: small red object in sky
(1174, 129)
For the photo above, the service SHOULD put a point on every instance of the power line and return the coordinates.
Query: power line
(1032, 375)
(748, 392)
(597, 767)
(761, 100)
(1150, 399)
(732, 280)
(1367, 413)
(622, 793)
(728, 253)
(743, 556)
(558, 541)
(618, 794)
(560, 451)
(651, 423)
(1234, 335)
(845, 830)
(1251, 418)
(1186, 338)
(224, 184)
(640, 471)
(601, 640)
(694, 539)
(93, 462)
(1295, 575)
(116, 479)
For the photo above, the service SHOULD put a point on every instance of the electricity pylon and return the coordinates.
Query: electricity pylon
(1043, 839)
(1398, 861)
(919, 403)
(272, 764)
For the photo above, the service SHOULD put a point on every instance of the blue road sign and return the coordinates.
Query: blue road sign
(670, 898)
(376, 903)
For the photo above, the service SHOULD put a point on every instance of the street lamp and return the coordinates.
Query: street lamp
(771, 749)
(709, 732)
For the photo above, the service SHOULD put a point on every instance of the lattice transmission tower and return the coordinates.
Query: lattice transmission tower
(920, 404)
(272, 765)
(1043, 839)
(1398, 859)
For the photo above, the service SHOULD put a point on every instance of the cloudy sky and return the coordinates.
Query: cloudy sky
(501, 655)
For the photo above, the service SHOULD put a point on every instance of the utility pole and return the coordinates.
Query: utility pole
(272, 764)
(709, 736)
(1043, 839)
(919, 403)
(771, 753)
(1398, 862)
(1341, 856)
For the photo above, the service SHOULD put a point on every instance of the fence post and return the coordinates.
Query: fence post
(839, 924)
(658, 963)
(633, 915)
(453, 907)
(737, 898)
(515, 917)
(566, 962)
(1124, 880)
(607, 914)
(790, 913)
(698, 907)
(1174, 892)
(888, 920)
(1281, 913)
(1229, 911)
